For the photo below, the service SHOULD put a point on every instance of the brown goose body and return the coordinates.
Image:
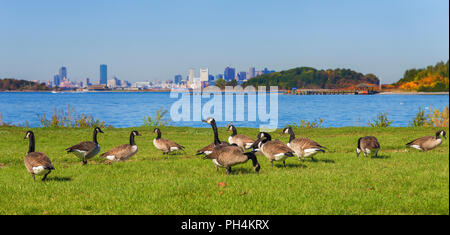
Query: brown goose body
(274, 150)
(37, 163)
(87, 149)
(165, 145)
(225, 155)
(240, 140)
(303, 147)
(368, 145)
(123, 152)
(427, 142)
(209, 148)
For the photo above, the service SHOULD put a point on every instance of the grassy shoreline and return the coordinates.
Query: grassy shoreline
(400, 181)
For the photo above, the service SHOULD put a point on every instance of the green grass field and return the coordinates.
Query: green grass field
(399, 181)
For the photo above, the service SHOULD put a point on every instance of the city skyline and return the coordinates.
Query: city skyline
(156, 40)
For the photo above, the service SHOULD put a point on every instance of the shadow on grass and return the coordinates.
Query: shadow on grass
(58, 179)
(321, 160)
(238, 171)
(381, 157)
(290, 165)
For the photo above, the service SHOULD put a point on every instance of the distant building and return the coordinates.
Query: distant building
(177, 79)
(143, 85)
(65, 83)
(103, 74)
(241, 76)
(219, 76)
(266, 71)
(229, 73)
(62, 73)
(86, 82)
(210, 78)
(99, 87)
(113, 83)
(204, 75)
(251, 72)
(191, 75)
(126, 84)
(56, 80)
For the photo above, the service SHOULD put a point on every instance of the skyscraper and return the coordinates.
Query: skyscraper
(204, 75)
(62, 73)
(86, 82)
(191, 75)
(56, 80)
(251, 72)
(177, 79)
(103, 74)
(241, 76)
(229, 73)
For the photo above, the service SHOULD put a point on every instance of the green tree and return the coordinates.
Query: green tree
(221, 83)
(232, 83)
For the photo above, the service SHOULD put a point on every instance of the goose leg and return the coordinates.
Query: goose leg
(34, 178)
(284, 163)
(271, 162)
(45, 176)
(84, 162)
(229, 170)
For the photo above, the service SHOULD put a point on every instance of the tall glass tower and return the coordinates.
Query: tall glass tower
(62, 73)
(103, 74)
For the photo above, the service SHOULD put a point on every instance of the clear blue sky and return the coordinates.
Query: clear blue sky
(148, 40)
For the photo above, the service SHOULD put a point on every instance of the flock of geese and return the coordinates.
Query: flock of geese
(223, 154)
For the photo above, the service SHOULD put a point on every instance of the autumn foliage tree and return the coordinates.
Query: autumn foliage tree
(433, 78)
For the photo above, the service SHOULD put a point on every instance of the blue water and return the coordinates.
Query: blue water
(126, 109)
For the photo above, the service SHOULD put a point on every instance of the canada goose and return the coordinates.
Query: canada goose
(428, 142)
(123, 152)
(240, 140)
(165, 145)
(86, 149)
(368, 145)
(303, 147)
(227, 156)
(209, 148)
(36, 163)
(274, 150)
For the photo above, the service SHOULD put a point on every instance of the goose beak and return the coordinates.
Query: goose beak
(204, 121)
(255, 144)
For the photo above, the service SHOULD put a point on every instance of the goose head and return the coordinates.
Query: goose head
(230, 127)
(261, 138)
(136, 133)
(209, 120)
(441, 133)
(28, 135)
(286, 130)
(156, 131)
(98, 130)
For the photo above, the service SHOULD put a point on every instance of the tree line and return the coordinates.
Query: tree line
(311, 78)
(432, 78)
(11, 84)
